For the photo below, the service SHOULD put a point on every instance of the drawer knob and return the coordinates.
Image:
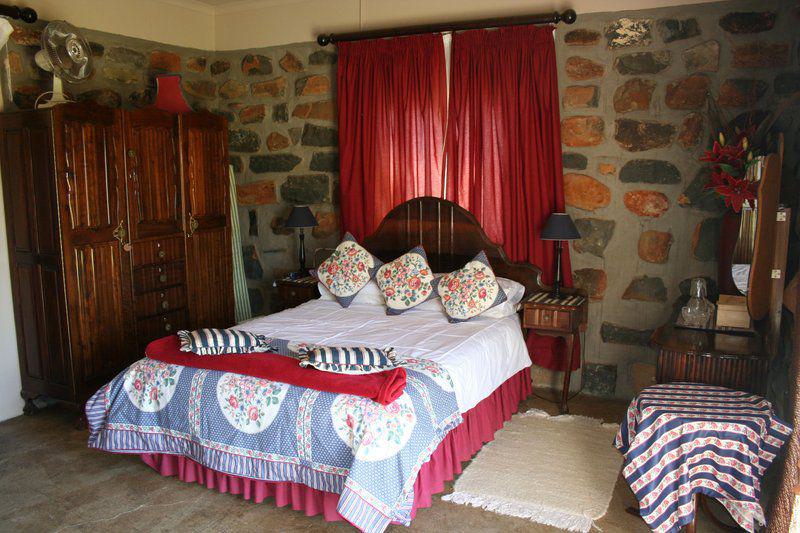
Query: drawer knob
(165, 304)
(162, 254)
(167, 327)
(162, 278)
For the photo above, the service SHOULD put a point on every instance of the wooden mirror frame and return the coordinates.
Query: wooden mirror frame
(759, 284)
(451, 236)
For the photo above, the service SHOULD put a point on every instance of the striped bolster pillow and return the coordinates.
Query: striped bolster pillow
(214, 341)
(352, 360)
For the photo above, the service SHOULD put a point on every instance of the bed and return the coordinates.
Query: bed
(337, 455)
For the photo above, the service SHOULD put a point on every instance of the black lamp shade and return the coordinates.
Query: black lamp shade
(559, 227)
(301, 217)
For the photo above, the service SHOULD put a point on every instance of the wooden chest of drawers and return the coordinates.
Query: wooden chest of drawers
(159, 284)
(293, 292)
(157, 251)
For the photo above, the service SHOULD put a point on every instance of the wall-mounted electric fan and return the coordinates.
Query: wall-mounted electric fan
(67, 55)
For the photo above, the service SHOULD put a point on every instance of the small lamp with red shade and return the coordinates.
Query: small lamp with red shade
(169, 95)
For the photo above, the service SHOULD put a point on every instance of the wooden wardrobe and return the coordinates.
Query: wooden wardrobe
(118, 232)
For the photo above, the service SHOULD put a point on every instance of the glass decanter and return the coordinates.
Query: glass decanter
(698, 311)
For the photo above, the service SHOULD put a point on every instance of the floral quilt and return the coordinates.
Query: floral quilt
(368, 453)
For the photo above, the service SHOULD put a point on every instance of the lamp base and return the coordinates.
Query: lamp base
(556, 293)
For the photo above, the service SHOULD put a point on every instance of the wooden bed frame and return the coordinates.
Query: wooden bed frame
(451, 236)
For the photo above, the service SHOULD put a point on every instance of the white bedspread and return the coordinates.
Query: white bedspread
(479, 354)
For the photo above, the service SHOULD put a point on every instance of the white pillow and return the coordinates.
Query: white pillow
(514, 293)
(370, 295)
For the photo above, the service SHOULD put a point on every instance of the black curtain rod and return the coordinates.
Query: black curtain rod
(567, 17)
(25, 13)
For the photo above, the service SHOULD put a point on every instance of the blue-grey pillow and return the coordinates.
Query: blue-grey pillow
(215, 341)
(349, 360)
(470, 290)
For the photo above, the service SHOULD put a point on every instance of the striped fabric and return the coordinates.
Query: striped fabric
(241, 297)
(213, 341)
(350, 360)
(546, 298)
(680, 439)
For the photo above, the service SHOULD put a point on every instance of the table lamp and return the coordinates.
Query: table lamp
(559, 227)
(301, 217)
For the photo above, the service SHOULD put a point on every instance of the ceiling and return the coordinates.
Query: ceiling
(216, 2)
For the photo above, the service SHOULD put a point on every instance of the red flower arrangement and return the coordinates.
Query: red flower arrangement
(733, 155)
(733, 190)
(729, 164)
(738, 143)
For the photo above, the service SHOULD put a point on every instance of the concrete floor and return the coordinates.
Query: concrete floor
(50, 481)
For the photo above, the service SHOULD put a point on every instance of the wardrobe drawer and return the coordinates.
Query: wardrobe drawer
(157, 251)
(161, 301)
(156, 277)
(150, 329)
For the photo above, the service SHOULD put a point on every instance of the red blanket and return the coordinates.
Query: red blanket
(383, 387)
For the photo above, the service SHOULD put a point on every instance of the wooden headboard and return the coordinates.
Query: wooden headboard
(451, 236)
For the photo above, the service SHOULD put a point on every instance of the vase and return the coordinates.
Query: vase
(698, 311)
(728, 236)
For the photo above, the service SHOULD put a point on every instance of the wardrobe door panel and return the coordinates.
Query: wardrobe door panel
(101, 318)
(209, 275)
(153, 178)
(91, 191)
(26, 164)
(53, 331)
(26, 285)
(207, 222)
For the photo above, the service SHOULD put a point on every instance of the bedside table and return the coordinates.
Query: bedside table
(564, 317)
(293, 292)
(734, 361)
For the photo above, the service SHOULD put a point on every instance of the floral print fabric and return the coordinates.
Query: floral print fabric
(250, 404)
(150, 384)
(470, 290)
(348, 270)
(254, 428)
(371, 430)
(406, 282)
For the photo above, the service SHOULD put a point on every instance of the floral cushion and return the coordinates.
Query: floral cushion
(347, 270)
(470, 290)
(406, 281)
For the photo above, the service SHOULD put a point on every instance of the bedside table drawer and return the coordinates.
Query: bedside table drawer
(552, 319)
(292, 293)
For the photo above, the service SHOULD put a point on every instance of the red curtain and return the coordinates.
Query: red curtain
(392, 109)
(504, 147)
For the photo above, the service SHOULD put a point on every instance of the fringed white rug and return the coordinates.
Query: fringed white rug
(558, 471)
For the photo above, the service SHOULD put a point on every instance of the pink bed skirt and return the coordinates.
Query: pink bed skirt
(478, 428)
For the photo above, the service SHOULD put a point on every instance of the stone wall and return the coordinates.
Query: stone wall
(633, 89)
(633, 120)
(283, 139)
